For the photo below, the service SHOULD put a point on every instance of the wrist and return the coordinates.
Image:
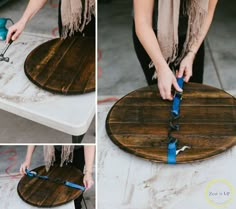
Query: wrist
(88, 173)
(88, 170)
(191, 53)
(23, 21)
(161, 66)
(27, 160)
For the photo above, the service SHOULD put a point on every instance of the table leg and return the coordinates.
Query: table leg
(77, 139)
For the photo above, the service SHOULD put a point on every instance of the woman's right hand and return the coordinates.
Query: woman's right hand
(166, 79)
(25, 165)
(15, 31)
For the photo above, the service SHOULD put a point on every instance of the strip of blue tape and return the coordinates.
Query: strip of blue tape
(171, 156)
(171, 153)
(177, 99)
(66, 183)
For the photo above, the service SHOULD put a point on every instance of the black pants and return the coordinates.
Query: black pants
(144, 59)
(78, 162)
(89, 29)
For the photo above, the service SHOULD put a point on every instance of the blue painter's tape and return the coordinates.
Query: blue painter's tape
(171, 155)
(73, 185)
(177, 98)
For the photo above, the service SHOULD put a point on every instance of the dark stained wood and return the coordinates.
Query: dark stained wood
(63, 66)
(138, 123)
(44, 193)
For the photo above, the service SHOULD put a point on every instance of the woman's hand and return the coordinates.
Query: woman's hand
(88, 181)
(186, 66)
(15, 31)
(166, 79)
(25, 165)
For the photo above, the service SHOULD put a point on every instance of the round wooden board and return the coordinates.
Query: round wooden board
(63, 66)
(138, 123)
(44, 193)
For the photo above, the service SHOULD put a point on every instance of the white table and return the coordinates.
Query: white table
(137, 183)
(69, 114)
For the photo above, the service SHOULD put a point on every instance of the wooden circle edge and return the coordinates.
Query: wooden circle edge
(45, 206)
(50, 89)
(130, 151)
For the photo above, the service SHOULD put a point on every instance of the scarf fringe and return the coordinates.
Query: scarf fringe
(77, 21)
(194, 27)
(49, 155)
(67, 154)
(196, 10)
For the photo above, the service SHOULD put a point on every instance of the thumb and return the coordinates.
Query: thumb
(176, 86)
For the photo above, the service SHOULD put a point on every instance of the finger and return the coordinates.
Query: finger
(26, 167)
(9, 35)
(169, 97)
(176, 73)
(181, 71)
(167, 94)
(176, 86)
(90, 184)
(22, 170)
(161, 92)
(85, 184)
(163, 95)
(15, 36)
(188, 76)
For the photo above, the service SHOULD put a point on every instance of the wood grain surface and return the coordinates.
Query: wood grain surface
(138, 123)
(63, 66)
(44, 193)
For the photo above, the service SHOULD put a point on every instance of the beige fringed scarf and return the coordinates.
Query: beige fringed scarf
(168, 21)
(72, 17)
(49, 155)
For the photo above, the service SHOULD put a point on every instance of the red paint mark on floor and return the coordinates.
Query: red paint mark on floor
(12, 160)
(52, 4)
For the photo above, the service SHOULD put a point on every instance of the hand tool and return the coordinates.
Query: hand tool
(2, 58)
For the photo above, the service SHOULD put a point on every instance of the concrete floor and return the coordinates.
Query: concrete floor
(14, 129)
(121, 71)
(11, 159)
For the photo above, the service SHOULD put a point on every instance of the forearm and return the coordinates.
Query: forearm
(30, 150)
(211, 9)
(143, 13)
(149, 41)
(89, 154)
(32, 8)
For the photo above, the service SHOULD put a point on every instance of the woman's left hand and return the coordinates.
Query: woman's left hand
(186, 66)
(88, 181)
